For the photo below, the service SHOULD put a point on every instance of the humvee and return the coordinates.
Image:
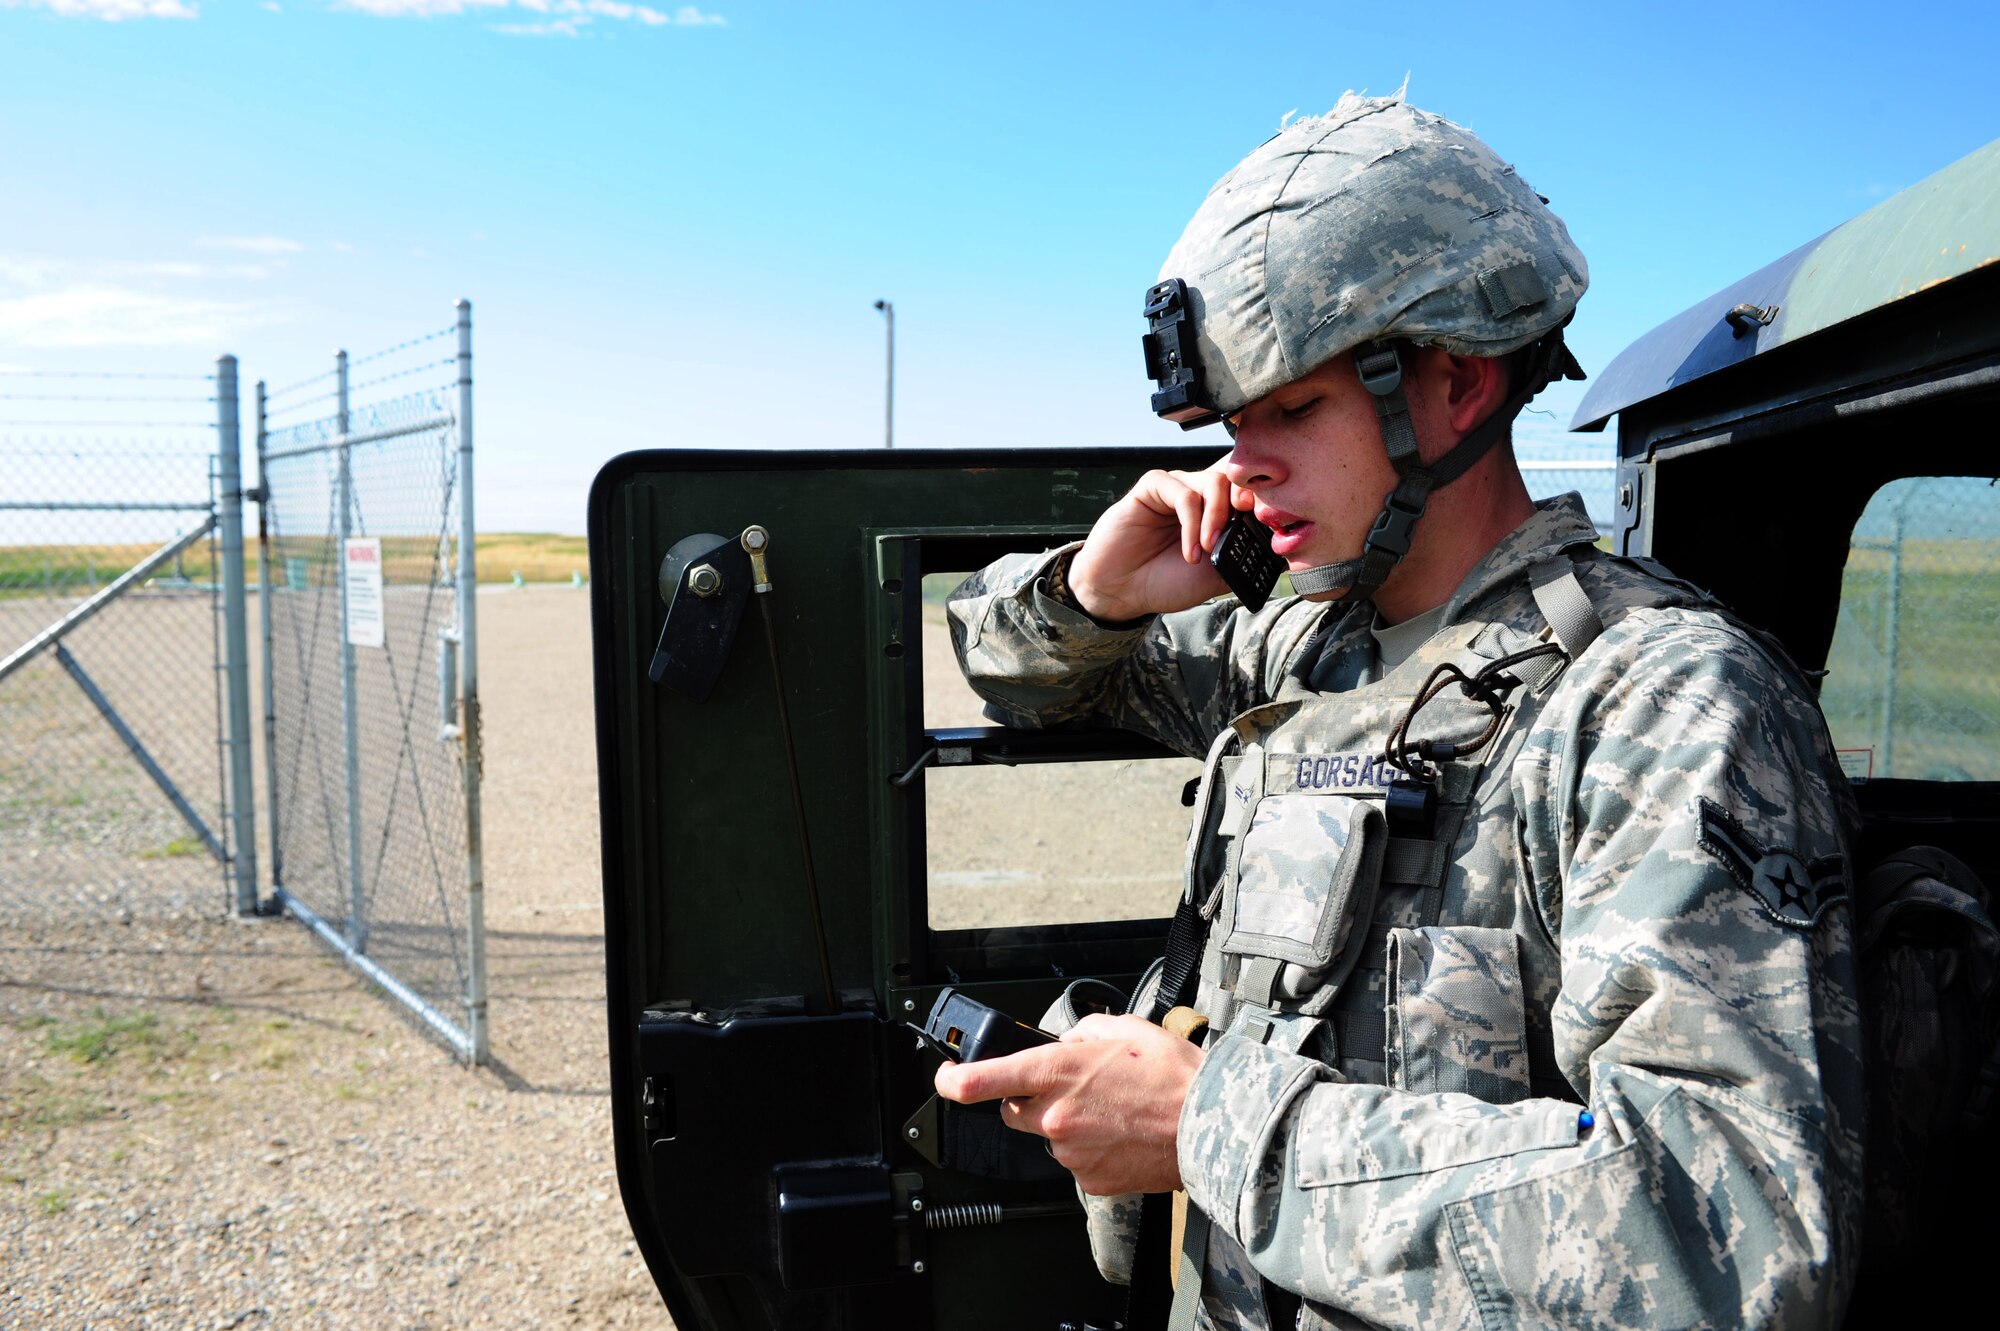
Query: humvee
(808, 831)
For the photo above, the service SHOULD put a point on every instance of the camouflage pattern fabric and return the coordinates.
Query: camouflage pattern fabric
(1374, 221)
(1646, 869)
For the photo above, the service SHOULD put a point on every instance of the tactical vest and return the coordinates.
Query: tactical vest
(1394, 942)
(1394, 945)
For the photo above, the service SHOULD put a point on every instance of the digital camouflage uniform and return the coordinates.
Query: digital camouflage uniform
(1634, 902)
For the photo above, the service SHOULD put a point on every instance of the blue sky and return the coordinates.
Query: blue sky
(673, 221)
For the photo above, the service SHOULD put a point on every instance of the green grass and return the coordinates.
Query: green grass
(78, 570)
(179, 848)
(53, 1202)
(536, 556)
(1947, 700)
(102, 1037)
(36, 1102)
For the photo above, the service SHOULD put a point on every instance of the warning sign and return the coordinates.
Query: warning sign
(364, 591)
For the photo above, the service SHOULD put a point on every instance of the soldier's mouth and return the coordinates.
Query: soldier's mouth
(1288, 533)
(1279, 521)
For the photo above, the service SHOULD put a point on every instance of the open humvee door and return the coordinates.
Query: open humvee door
(780, 1153)
(1815, 446)
(808, 832)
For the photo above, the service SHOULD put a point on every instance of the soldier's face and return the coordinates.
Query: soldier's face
(1310, 456)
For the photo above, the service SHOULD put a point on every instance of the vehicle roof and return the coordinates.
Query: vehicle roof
(1945, 225)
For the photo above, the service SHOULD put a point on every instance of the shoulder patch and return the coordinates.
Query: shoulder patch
(1791, 890)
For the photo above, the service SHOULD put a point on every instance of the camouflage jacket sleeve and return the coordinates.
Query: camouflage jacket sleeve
(1683, 846)
(1177, 678)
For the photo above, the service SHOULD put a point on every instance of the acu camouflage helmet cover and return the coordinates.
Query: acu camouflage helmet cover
(1375, 221)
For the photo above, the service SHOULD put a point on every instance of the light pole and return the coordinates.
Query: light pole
(889, 403)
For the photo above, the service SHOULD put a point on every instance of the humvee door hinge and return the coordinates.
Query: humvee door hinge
(706, 582)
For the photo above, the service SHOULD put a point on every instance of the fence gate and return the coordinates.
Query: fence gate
(371, 671)
(125, 789)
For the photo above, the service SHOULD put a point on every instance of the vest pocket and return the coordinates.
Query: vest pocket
(1457, 1014)
(1306, 870)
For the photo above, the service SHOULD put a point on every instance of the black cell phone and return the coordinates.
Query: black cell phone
(965, 1030)
(1243, 557)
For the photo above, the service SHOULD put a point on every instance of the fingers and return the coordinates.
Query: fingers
(1146, 554)
(1201, 501)
(1217, 506)
(1029, 1073)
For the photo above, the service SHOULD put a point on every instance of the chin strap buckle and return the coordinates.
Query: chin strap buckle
(1380, 368)
(1396, 524)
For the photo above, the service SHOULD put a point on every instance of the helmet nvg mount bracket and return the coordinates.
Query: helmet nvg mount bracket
(1170, 358)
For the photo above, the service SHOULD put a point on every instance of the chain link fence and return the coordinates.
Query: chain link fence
(1556, 468)
(115, 757)
(372, 716)
(1910, 690)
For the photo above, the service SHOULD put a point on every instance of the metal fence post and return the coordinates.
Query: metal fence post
(266, 589)
(350, 727)
(236, 641)
(469, 718)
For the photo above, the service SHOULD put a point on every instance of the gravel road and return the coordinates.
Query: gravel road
(208, 1124)
(211, 1124)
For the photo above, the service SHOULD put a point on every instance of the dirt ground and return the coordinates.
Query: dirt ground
(213, 1124)
(209, 1124)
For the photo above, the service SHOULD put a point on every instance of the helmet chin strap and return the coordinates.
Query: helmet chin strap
(1380, 367)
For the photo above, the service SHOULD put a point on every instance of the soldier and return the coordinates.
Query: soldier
(1515, 903)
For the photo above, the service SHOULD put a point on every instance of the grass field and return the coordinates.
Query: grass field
(76, 570)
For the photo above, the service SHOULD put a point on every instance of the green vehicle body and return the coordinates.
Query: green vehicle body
(764, 1127)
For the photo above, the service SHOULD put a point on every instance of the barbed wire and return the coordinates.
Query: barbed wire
(307, 382)
(401, 346)
(101, 374)
(120, 425)
(400, 374)
(292, 408)
(63, 446)
(92, 397)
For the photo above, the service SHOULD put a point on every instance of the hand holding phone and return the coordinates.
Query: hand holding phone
(1243, 557)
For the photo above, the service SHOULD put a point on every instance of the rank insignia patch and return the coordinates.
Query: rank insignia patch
(1791, 890)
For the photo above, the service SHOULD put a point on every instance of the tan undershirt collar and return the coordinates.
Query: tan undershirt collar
(1395, 643)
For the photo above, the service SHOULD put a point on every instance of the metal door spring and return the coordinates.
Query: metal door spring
(962, 1216)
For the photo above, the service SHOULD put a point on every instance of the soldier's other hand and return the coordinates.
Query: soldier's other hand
(1108, 1097)
(1148, 553)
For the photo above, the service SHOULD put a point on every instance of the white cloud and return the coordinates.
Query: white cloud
(567, 27)
(418, 8)
(255, 272)
(61, 303)
(250, 244)
(109, 316)
(109, 11)
(559, 18)
(565, 18)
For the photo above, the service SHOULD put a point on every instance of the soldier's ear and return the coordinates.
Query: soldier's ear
(1465, 389)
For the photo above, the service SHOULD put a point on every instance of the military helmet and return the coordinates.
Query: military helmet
(1376, 221)
(1366, 228)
